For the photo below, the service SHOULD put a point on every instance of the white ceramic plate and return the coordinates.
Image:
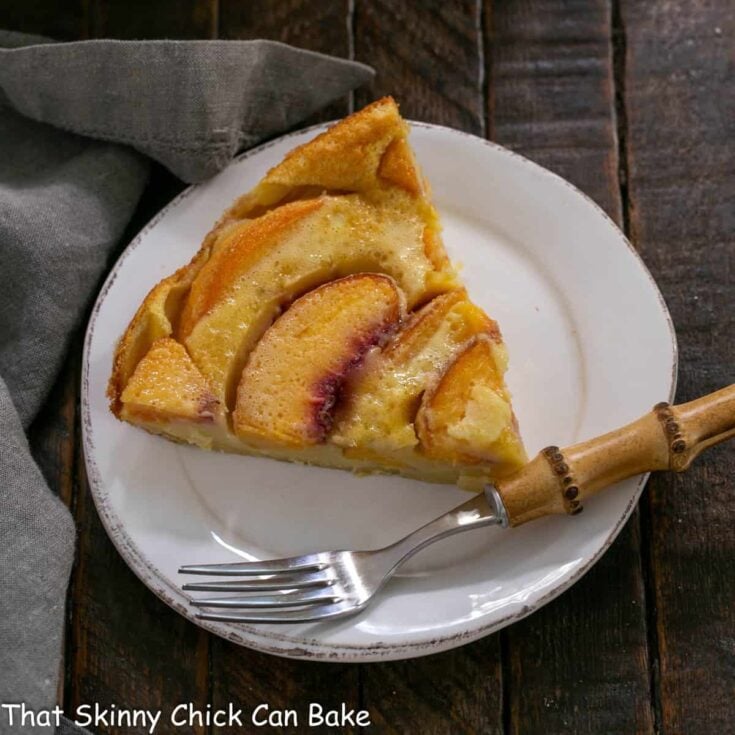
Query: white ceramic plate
(591, 346)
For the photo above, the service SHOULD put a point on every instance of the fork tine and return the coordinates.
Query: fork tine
(272, 566)
(274, 582)
(305, 615)
(289, 599)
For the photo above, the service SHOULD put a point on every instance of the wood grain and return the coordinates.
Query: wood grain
(460, 691)
(46, 18)
(560, 481)
(425, 54)
(580, 664)
(679, 93)
(132, 19)
(250, 679)
(551, 91)
(316, 26)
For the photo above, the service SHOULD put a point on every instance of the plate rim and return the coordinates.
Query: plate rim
(314, 649)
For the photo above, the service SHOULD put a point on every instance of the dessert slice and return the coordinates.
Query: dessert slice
(321, 321)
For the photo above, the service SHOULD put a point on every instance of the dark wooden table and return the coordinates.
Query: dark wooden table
(634, 102)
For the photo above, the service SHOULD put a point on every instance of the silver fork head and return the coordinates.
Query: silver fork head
(298, 589)
(329, 584)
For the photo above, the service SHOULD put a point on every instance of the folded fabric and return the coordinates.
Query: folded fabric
(66, 194)
(189, 104)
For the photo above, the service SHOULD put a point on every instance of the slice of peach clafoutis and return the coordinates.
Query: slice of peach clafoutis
(322, 322)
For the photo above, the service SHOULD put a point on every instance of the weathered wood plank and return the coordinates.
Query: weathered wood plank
(459, 691)
(679, 92)
(316, 26)
(427, 55)
(580, 664)
(238, 674)
(322, 27)
(44, 18)
(163, 19)
(551, 92)
(250, 679)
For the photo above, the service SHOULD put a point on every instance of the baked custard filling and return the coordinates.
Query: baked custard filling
(321, 321)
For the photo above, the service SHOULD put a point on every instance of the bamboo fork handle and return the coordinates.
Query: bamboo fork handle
(669, 437)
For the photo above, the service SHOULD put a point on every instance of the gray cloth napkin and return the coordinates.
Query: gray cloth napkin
(66, 195)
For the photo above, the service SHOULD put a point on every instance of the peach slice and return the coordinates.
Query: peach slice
(379, 409)
(466, 418)
(166, 386)
(294, 376)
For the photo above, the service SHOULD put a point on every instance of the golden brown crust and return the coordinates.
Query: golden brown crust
(154, 319)
(345, 158)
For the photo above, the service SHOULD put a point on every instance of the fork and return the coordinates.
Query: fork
(332, 584)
